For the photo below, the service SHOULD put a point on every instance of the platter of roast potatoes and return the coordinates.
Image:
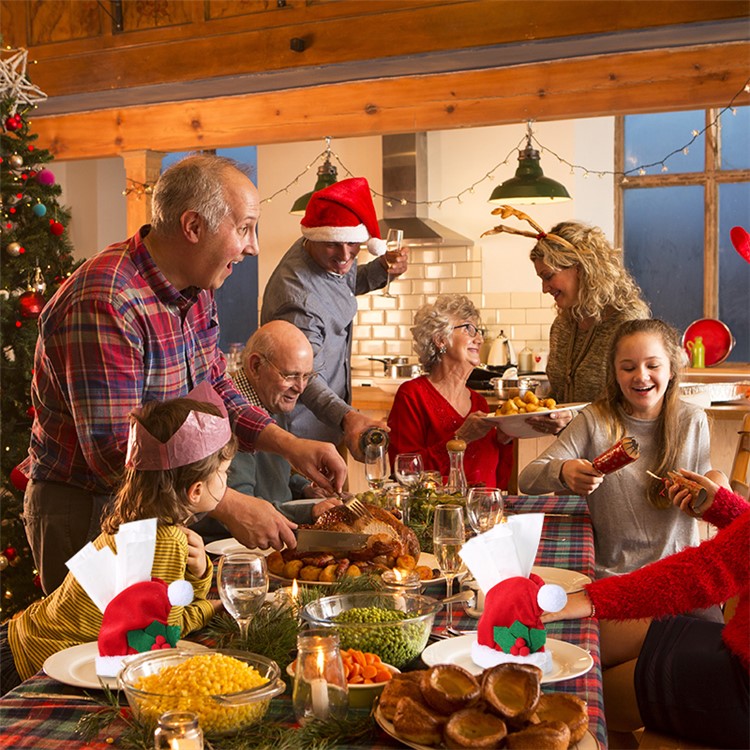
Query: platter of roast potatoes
(448, 707)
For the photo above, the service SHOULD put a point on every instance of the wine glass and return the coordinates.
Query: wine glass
(448, 536)
(242, 580)
(409, 469)
(376, 466)
(484, 508)
(393, 241)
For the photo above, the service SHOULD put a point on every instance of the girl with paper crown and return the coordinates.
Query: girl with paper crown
(143, 582)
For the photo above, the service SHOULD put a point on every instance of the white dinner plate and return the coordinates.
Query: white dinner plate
(425, 558)
(225, 546)
(568, 660)
(587, 742)
(517, 425)
(568, 580)
(76, 665)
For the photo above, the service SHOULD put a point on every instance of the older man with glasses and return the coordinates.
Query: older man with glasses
(277, 365)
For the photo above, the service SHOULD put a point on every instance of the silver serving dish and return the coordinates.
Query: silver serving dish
(512, 387)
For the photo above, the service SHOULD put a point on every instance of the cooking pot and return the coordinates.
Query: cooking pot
(512, 387)
(397, 367)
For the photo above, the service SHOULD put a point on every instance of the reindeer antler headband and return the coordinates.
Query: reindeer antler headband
(199, 436)
(540, 234)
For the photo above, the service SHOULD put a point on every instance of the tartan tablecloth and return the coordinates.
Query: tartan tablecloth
(42, 714)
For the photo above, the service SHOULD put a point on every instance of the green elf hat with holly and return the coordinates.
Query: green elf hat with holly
(136, 620)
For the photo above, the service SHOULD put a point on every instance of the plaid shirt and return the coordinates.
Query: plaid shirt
(116, 335)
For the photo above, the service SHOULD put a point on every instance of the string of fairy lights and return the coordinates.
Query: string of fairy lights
(140, 189)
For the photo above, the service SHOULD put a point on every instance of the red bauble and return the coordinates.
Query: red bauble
(30, 304)
(14, 122)
(56, 227)
(31, 412)
(10, 553)
(18, 479)
(38, 581)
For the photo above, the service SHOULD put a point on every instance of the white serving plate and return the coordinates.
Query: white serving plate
(518, 426)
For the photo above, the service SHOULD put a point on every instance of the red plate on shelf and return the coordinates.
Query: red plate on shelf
(717, 339)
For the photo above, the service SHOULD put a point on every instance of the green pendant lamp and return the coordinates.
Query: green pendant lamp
(529, 184)
(327, 174)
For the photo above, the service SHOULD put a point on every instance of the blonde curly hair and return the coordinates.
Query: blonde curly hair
(435, 320)
(604, 284)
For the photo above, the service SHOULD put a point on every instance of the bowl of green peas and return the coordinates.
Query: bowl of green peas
(392, 625)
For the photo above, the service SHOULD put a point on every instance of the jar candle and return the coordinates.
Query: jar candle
(178, 730)
(320, 689)
(401, 581)
(288, 596)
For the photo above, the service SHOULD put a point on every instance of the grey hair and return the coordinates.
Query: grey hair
(195, 183)
(435, 320)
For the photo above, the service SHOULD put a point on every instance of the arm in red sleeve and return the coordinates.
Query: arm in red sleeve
(726, 506)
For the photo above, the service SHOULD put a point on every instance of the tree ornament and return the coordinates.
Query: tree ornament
(31, 304)
(14, 249)
(31, 412)
(16, 161)
(38, 581)
(18, 479)
(56, 227)
(45, 177)
(3, 562)
(10, 553)
(16, 86)
(13, 123)
(39, 210)
(39, 284)
(9, 354)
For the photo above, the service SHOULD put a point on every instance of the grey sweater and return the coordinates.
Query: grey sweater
(629, 532)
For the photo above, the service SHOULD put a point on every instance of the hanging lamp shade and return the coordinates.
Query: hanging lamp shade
(327, 174)
(529, 185)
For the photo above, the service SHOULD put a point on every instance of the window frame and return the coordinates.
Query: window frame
(709, 179)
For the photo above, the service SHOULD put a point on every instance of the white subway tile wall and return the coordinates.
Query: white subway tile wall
(382, 326)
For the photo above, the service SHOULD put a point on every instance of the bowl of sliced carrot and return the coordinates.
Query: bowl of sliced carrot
(366, 676)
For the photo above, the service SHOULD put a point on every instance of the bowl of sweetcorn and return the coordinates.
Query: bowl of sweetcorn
(228, 690)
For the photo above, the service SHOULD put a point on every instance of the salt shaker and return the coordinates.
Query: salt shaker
(178, 730)
(320, 689)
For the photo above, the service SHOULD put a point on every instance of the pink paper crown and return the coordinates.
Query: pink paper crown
(199, 436)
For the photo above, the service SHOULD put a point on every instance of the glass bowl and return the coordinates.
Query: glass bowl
(393, 626)
(220, 711)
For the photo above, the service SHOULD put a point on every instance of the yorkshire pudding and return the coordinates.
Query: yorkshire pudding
(400, 686)
(415, 722)
(549, 735)
(512, 690)
(473, 727)
(567, 708)
(448, 688)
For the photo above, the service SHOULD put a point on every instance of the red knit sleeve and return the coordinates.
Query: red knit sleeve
(726, 506)
(696, 577)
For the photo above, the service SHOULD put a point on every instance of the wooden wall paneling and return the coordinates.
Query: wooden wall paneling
(141, 168)
(62, 21)
(177, 49)
(643, 82)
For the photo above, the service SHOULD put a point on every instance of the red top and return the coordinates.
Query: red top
(423, 421)
(695, 578)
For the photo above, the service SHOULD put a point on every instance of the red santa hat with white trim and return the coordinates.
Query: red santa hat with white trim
(343, 212)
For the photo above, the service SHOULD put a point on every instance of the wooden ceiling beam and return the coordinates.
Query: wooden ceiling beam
(605, 85)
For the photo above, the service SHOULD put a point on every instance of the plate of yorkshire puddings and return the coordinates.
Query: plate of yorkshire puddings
(448, 707)
(512, 416)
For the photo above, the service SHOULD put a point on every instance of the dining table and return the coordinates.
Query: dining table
(43, 713)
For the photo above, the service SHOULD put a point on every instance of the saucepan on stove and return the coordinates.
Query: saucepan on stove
(397, 367)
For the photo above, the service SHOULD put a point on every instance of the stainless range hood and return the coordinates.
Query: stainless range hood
(405, 176)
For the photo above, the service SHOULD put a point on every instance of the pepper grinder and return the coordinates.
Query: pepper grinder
(456, 475)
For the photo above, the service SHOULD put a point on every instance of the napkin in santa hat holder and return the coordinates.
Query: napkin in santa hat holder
(135, 608)
(510, 628)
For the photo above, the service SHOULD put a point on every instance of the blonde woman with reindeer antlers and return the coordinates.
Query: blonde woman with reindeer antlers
(593, 294)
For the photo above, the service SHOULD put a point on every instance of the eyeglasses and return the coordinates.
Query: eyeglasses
(471, 329)
(303, 378)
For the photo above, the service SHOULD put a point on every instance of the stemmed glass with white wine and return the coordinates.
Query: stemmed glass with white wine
(393, 241)
(409, 469)
(242, 580)
(484, 508)
(448, 536)
(376, 466)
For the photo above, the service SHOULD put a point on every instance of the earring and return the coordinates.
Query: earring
(443, 349)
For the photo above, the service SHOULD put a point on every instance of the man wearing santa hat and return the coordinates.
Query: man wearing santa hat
(314, 287)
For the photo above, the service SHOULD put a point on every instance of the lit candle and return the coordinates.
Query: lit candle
(288, 596)
(402, 581)
(186, 743)
(319, 690)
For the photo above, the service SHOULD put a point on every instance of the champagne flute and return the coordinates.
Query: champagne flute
(376, 466)
(393, 241)
(409, 469)
(242, 580)
(484, 508)
(448, 536)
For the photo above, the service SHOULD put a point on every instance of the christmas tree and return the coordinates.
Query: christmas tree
(35, 257)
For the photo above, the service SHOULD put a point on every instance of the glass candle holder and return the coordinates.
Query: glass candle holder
(401, 581)
(178, 730)
(397, 498)
(432, 480)
(320, 688)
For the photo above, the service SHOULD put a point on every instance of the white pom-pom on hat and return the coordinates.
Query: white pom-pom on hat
(551, 597)
(180, 593)
(377, 246)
